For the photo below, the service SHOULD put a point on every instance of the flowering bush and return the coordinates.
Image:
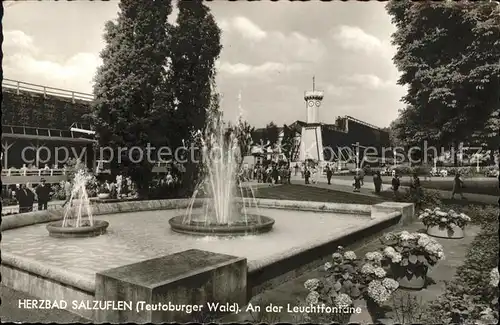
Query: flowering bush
(411, 253)
(348, 278)
(442, 219)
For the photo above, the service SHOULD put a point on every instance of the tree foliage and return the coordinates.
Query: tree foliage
(271, 134)
(129, 109)
(288, 147)
(449, 56)
(195, 46)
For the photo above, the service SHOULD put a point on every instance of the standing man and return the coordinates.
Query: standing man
(329, 174)
(25, 198)
(395, 185)
(361, 176)
(296, 168)
(458, 184)
(43, 195)
(307, 174)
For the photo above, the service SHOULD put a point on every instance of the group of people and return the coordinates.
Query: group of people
(26, 196)
(272, 173)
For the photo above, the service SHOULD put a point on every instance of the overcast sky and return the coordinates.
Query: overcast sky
(271, 51)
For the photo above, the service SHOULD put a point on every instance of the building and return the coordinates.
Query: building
(342, 141)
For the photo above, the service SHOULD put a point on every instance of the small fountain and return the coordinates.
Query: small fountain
(78, 220)
(222, 214)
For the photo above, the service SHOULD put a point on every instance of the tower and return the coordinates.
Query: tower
(311, 140)
(313, 103)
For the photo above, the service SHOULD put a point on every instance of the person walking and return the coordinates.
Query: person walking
(329, 174)
(307, 175)
(395, 185)
(357, 183)
(416, 191)
(377, 182)
(458, 184)
(361, 176)
(43, 195)
(296, 169)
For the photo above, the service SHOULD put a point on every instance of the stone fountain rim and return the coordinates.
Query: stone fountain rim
(98, 227)
(222, 230)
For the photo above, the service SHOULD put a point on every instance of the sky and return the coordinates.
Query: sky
(271, 51)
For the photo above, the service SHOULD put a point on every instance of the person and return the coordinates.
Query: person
(361, 176)
(329, 174)
(302, 171)
(25, 199)
(275, 174)
(377, 181)
(289, 175)
(458, 184)
(296, 169)
(357, 183)
(307, 175)
(43, 195)
(395, 185)
(416, 191)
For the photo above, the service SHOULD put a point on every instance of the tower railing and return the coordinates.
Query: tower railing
(19, 86)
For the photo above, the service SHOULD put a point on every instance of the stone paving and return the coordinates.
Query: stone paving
(133, 237)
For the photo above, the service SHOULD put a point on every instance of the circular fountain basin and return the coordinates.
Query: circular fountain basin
(57, 230)
(254, 225)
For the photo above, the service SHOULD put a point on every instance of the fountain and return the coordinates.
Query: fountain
(222, 214)
(78, 220)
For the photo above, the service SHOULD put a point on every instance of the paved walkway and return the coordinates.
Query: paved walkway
(15, 208)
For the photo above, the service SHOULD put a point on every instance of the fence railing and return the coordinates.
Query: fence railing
(31, 130)
(19, 86)
(33, 172)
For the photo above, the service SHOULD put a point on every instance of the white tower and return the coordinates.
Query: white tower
(311, 140)
(313, 102)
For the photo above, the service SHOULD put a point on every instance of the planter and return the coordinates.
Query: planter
(414, 282)
(103, 196)
(443, 232)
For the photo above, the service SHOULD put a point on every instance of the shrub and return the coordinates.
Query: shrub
(482, 215)
(428, 198)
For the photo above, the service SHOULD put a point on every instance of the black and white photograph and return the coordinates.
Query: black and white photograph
(188, 161)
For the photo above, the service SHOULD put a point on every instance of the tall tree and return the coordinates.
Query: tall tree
(288, 147)
(271, 134)
(127, 111)
(449, 56)
(195, 48)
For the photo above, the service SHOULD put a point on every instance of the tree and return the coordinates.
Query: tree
(449, 55)
(128, 110)
(195, 48)
(271, 134)
(243, 132)
(288, 147)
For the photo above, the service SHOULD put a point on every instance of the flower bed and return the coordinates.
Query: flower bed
(347, 280)
(409, 256)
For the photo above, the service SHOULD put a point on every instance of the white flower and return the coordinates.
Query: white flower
(350, 255)
(312, 298)
(494, 277)
(440, 255)
(378, 292)
(367, 269)
(405, 235)
(389, 251)
(311, 284)
(379, 272)
(390, 284)
(336, 256)
(441, 214)
(396, 258)
(374, 257)
(389, 236)
(444, 219)
(328, 266)
(465, 217)
(343, 300)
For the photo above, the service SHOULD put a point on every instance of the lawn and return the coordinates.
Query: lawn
(309, 193)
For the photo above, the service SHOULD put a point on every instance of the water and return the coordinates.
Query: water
(221, 164)
(78, 212)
